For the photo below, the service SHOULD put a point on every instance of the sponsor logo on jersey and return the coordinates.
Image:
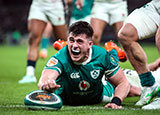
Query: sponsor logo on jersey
(75, 75)
(53, 61)
(113, 60)
(95, 74)
(84, 85)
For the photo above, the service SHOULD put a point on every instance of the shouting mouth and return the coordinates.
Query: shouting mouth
(75, 52)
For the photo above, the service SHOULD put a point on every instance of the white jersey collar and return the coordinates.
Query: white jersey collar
(88, 60)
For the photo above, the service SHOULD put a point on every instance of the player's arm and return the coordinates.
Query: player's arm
(155, 65)
(48, 80)
(79, 4)
(121, 89)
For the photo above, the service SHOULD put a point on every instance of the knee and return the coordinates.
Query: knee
(96, 38)
(127, 35)
(123, 36)
(34, 39)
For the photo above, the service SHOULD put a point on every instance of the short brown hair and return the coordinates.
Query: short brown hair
(81, 27)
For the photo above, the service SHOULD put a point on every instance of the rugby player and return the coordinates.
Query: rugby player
(112, 12)
(41, 12)
(75, 72)
(140, 24)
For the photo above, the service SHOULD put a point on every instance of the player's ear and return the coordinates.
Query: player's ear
(90, 44)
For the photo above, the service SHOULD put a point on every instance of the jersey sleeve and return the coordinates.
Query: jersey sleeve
(54, 64)
(111, 64)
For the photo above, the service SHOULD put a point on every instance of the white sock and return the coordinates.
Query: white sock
(30, 71)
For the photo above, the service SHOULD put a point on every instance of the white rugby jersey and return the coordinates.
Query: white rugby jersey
(156, 4)
(109, 0)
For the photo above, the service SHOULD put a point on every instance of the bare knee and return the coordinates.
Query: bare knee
(96, 38)
(127, 34)
(34, 39)
(123, 36)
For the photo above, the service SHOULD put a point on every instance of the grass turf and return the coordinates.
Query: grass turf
(12, 69)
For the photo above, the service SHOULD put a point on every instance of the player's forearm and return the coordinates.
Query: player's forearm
(122, 90)
(47, 76)
(155, 65)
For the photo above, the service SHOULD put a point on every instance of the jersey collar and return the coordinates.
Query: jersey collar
(88, 60)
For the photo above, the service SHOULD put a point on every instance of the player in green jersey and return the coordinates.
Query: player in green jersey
(75, 72)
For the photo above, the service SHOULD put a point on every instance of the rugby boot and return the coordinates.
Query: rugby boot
(147, 93)
(121, 54)
(155, 104)
(59, 44)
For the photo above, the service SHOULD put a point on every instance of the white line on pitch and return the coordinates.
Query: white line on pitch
(68, 107)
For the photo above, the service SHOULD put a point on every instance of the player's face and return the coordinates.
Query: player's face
(78, 47)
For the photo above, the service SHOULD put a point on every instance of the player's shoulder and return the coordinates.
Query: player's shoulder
(98, 50)
(62, 55)
(99, 53)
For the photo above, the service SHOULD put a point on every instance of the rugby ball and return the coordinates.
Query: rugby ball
(42, 100)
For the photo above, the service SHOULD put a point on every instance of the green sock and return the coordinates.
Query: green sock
(147, 79)
(44, 43)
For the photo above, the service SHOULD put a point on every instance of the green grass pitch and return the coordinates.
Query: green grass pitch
(12, 69)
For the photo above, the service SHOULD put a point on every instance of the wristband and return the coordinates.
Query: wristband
(116, 100)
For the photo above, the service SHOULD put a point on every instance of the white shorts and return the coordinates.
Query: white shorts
(133, 77)
(47, 10)
(110, 12)
(146, 20)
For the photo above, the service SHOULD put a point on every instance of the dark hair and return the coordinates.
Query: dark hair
(81, 27)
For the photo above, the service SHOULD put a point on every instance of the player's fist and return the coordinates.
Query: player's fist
(49, 85)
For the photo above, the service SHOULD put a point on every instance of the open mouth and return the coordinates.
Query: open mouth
(75, 52)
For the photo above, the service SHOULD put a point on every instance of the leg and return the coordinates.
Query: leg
(158, 39)
(48, 30)
(117, 26)
(60, 32)
(35, 28)
(61, 36)
(128, 37)
(98, 27)
(45, 39)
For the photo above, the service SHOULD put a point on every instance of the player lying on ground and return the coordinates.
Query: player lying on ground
(75, 72)
(132, 76)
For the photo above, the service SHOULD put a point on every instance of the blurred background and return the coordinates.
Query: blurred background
(13, 21)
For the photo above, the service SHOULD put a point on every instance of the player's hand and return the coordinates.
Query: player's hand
(49, 85)
(113, 106)
(79, 4)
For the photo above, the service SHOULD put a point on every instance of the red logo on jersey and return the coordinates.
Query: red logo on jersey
(84, 85)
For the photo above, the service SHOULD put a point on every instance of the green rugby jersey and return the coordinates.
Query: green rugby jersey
(81, 83)
(85, 11)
